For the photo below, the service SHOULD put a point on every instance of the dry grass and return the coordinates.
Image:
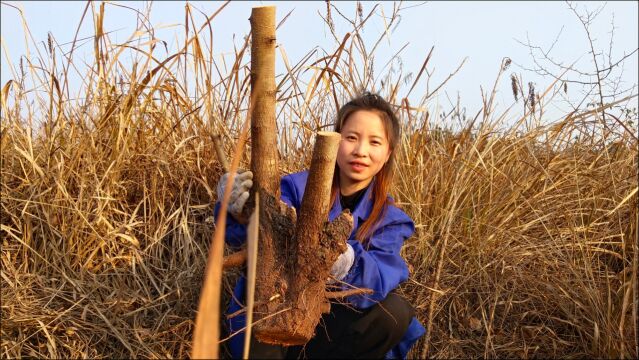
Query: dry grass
(526, 234)
(535, 246)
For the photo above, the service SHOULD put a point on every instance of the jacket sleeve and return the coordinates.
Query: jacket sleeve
(380, 267)
(235, 234)
(290, 192)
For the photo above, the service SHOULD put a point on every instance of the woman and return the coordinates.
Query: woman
(367, 326)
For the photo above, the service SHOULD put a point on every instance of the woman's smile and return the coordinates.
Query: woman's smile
(358, 166)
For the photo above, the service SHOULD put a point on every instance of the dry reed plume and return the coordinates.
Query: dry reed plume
(526, 235)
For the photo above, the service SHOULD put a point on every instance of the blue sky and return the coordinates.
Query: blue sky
(482, 32)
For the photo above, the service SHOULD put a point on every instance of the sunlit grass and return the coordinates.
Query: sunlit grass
(526, 234)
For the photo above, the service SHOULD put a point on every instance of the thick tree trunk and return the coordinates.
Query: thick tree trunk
(264, 159)
(277, 221)
(315, 205)
(294, 257)
(291, 304)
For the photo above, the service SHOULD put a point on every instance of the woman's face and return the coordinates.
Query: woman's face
(363, 150)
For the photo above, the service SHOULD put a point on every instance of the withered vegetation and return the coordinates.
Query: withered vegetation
(526, 233)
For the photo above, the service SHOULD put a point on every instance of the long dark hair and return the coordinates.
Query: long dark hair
(384, 178)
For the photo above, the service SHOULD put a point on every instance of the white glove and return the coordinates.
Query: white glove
(343, 263)
(239, 193)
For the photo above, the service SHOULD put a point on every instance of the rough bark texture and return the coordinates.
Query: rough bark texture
(276, 219)
(291, 295)
(315, 205)
(294, 257)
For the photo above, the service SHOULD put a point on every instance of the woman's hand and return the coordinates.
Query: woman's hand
(343, 263)
(239, 193)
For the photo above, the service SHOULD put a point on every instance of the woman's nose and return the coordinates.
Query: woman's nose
(360, 149)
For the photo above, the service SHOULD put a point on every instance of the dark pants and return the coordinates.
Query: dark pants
(347, 333)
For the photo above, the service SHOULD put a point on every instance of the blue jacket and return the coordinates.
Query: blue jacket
(380, 267)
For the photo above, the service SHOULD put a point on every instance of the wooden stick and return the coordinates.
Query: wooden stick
(251, 241)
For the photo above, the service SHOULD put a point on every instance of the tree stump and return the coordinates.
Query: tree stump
(295, 252)
(296, 255)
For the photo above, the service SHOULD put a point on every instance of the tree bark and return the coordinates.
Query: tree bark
(290, 306)
(264, 159)
(276, 220)
(315, 205)
(294, 257)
